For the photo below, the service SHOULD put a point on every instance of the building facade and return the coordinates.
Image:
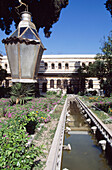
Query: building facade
(60, 72)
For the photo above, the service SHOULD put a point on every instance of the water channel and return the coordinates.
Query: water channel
(86, 154)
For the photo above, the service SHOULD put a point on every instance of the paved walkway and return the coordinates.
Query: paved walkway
(109, 126)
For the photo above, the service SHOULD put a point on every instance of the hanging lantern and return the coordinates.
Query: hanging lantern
(24, 51)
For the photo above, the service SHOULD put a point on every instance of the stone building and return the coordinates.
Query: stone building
(60, 72)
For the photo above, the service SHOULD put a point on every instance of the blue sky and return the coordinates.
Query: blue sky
(80, 29)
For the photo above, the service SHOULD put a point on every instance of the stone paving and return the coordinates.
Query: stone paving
(109, 127)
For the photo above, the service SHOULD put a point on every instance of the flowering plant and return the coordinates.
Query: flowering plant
(110, 111)
(14, 153)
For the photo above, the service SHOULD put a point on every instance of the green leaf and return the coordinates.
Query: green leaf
(28, 156)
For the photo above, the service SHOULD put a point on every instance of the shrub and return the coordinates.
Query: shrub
(105, 106)
(80, 93)
(21, 90)
(59, 93)
(108, 121)
(51, 92)
(14, 153)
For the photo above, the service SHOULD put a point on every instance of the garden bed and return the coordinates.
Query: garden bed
(13, 131)
(101, 107)
(46, 135)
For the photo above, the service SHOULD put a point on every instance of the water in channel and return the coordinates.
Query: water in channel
(85, 154)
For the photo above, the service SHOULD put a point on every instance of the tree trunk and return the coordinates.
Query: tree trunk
(17, 100)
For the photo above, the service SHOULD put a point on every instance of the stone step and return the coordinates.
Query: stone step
(79, 128)
(78, 132)
(73, 123)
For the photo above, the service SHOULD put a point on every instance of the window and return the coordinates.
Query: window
(65, 83)
(58, 83)
(46, 66)
(51, 83)
(66, 66)
(77, 65)
(5, 65)
(44, 87)
(90, 84)
(52, 66)
(83, 64)
(59, 66)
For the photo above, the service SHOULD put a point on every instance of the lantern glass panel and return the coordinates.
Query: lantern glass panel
(13, 59)
(29, 54)
(15, 34)
(35, 32)
(28, 34)
(22, 30)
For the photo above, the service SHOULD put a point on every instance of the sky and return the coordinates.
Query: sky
(80, 30)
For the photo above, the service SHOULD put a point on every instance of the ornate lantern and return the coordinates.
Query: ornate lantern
(24, 51)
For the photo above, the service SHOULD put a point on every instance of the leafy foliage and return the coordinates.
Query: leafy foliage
(3, 74)
(81, 74)
(14, 152)
(108, 6)
(19, 91)
(108, 120)
(44, 13)
(106, 70)
(102, 67)
(51, 92)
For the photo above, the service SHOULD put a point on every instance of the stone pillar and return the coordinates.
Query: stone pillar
(61, 83)
(55, 83)
(48, 84)
(63, 66)
(49, 66)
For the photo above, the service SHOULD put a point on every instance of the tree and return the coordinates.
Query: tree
(102, 67)
(44, 13)
(106, 58)
(96, 69)
(108, 6)
(81, 75)
(3, 74)
(19, 92)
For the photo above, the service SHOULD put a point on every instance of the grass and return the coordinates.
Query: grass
(52, 132)
(38, 135)
(57, 112)
(46, 135)
(100, 114)
(89, 102)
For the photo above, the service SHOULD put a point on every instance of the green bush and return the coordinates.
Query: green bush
(80, 93)
(13, 135)
(51, 92)
(19, 92)
(14, 152)
(60, 93)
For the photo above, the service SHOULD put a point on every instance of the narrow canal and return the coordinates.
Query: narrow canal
(85, 154)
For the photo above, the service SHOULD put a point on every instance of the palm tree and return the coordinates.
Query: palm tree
(19, 91)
